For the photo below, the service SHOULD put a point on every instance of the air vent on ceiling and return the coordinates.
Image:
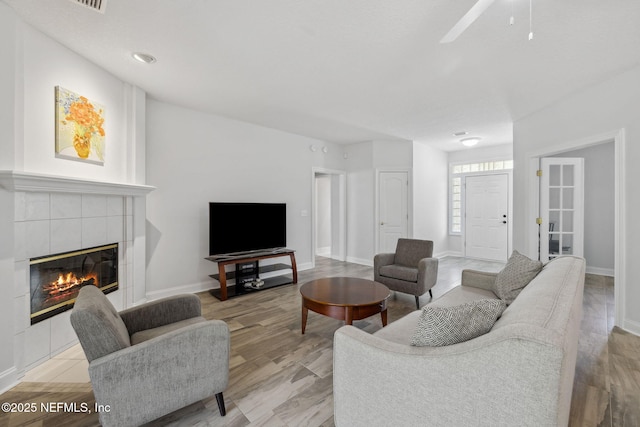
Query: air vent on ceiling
(97, 5)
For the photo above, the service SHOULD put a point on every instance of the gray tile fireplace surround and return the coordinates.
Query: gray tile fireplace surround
(49, 223)
(54, 215)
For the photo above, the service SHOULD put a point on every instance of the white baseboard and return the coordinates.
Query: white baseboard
(142, 301)
(631, 326)
(333, 256)
(367, 262)
(185, 289)
(325, 251)
(448, 253)
(600, 271)
(8, 379)
(304, 266)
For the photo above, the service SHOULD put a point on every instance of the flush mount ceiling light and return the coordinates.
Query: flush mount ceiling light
(470, 142)
(143, 57)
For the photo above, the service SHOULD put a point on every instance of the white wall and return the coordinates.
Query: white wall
(482, 154)
(46, 65)
(8, 371)
(8, 374)
(430, 177)
(195, 158)
(338, 209)
(364, 160)
(360, 203)
(599, 201)
(392, 154)
(601, 109)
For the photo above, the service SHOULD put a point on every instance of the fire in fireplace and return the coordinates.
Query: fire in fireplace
(57, 279)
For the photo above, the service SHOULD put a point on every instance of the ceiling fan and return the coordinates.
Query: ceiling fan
(468, 19)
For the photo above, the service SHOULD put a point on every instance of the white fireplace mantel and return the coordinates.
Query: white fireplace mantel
(28, 181)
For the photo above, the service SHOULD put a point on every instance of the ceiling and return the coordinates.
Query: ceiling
(356, 70)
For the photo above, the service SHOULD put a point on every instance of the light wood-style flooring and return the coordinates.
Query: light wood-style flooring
(279, 377)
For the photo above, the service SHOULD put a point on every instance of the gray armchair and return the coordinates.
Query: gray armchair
(150, 360)
(411, 269)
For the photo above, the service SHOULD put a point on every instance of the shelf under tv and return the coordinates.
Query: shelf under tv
(262, 269)
(254, 271)
(236, 290)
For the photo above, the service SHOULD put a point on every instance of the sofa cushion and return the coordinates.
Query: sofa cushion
(440, 326)
(517, 274)
(400, 331)
(399, 272)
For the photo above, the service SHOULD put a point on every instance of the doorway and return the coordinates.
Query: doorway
(328, 214)
(486, 216)
(604, 223)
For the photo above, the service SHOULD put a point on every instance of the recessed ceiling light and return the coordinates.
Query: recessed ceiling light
(462, 133)
(470, 142)
(143, 57)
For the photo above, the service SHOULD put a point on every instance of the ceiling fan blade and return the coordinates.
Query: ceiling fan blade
(468, 19)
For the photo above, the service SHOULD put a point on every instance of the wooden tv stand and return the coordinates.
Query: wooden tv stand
(248, 257)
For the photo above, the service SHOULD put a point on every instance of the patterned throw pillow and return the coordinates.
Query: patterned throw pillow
(517, 274)
(439, 326)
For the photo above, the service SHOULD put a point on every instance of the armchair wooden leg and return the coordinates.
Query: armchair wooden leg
(417, 302)
(430, 294)
(220, 400)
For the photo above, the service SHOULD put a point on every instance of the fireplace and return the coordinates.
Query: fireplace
(57, 279)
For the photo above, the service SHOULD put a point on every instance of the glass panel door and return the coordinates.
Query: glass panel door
(561, 207)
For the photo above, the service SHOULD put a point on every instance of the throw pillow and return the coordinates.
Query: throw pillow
(440, 326)
(517, 274)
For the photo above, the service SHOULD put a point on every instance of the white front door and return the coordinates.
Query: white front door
(486, 208)
(393, 209)
(561, 207)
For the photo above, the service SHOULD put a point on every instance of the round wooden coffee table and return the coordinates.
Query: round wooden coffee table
(344, 298)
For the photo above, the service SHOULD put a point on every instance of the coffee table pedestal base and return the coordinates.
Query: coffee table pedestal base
(348, 313)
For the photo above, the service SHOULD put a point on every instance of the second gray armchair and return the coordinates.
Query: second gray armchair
(411, 269)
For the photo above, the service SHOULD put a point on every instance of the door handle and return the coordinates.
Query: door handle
(504, 222)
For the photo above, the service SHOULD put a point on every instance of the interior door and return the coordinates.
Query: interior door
(561, 207)
(486, 207)
(393, 209)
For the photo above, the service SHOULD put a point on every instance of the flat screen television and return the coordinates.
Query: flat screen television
(244, 227)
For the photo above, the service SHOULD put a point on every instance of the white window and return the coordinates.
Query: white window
(456, 177)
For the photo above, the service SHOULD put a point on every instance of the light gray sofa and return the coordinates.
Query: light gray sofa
(519, 373)
(152, 359)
